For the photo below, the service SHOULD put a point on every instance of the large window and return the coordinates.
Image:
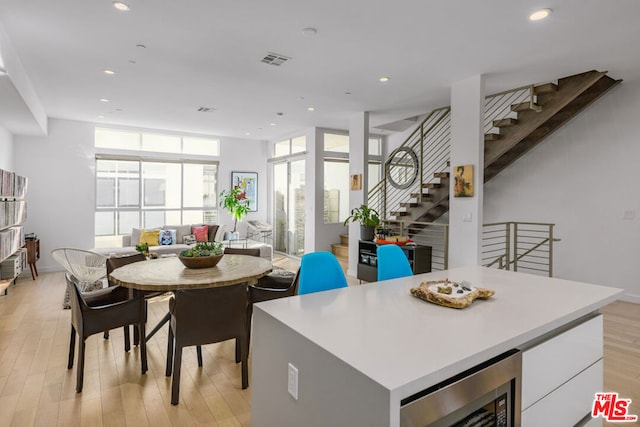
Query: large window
(139, 192)
(159, 143)
(336, 173)
(290, 146)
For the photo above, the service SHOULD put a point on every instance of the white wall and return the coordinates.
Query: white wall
(61, 194)
(583, 178)
(6, 149)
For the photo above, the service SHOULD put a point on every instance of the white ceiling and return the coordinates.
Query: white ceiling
(207, 53)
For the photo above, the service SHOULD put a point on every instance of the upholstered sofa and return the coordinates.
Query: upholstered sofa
(176, 243)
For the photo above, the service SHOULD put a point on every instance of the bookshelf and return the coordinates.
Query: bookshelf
(13, 213)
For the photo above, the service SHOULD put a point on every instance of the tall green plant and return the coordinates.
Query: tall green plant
(365, 216)
(236, 203)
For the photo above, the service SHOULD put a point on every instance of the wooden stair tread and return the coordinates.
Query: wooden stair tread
(524, 106)
(441, 175)
(545, 88)
(344, 239)
(409, 205)
(491, 136)
(399, 213)
(425, 196)
(501, 123)
(432, 185)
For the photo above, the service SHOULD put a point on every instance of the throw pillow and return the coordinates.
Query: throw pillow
(189, 239)
(167, 237)
(201, 233)
(150, 237)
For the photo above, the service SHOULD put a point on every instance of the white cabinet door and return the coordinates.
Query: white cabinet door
(568, 404)
(553, 362)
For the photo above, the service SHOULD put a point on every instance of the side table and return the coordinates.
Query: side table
(33, 254)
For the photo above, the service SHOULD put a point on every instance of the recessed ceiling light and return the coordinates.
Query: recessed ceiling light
(539, 14)
(347, 93)
(104, 100)
(141, 46)
(121, 6)
(131, 61)
(309, 32)
(384, 79)
(272, 124)
(247, 133)
(109, 72)
(311, 109)
(101, 117)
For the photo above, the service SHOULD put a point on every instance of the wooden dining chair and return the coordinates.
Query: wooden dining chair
(270, 287)
(206, 316)
(117, 262)
(99, 311)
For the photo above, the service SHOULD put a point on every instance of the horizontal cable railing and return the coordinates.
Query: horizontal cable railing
(519, 246)
(431, 234)
(430, 142)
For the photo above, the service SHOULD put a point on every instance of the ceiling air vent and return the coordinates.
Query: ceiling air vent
(206, 109)
(275, 59)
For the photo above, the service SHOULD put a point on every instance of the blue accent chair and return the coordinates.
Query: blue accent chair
(392, 263)
(320, 271)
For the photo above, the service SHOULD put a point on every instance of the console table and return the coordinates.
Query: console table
(419, 257)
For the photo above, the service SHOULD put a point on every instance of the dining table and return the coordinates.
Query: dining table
(169, 274)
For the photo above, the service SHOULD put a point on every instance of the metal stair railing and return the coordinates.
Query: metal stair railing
(432, 234)
(519, 246)
(430, 142)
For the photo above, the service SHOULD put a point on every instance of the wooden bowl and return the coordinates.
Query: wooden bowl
(200, 261)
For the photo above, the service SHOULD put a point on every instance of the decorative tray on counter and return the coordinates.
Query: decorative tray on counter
(449, 293)
(394, 242)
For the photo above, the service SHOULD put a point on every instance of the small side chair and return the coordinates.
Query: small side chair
(392, 263)
(100, 311)
(320, 271)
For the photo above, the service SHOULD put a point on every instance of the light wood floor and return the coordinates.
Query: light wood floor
(36, 388)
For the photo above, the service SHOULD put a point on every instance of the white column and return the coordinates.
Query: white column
(467, 148)
(358, 155)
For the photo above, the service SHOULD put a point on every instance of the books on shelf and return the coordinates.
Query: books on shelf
(12, 185)
(13, 213)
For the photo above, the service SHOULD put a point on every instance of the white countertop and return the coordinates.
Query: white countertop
(406, 344)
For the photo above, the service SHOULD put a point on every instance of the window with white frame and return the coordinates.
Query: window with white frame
(290, 146)
(146, 192)
(336, 173)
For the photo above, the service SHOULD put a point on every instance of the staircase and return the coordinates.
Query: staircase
(515, 122)
(341, 251)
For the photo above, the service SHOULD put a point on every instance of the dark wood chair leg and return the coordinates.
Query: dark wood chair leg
(170, 342)
(245, 362)
(35, 269)
(143, 348)
(127, 340)
(238, 351)
(199, 354)
(175, 379)
(105, 335)
(81, 348)
(72, 347)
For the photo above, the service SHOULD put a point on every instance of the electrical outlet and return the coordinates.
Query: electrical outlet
(292, 382)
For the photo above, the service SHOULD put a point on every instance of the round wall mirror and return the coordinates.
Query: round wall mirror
(402, 167)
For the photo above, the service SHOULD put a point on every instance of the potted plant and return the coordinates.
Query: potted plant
(235, 201)
(368, 218)
(202, 255)
(143, 249)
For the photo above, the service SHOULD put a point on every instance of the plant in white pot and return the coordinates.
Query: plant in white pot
(236, 203)
(368, 218)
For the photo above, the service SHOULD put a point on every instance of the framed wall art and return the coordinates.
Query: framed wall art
(248, 182)
(463, 184)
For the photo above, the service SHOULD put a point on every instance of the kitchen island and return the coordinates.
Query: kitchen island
(360, 350)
